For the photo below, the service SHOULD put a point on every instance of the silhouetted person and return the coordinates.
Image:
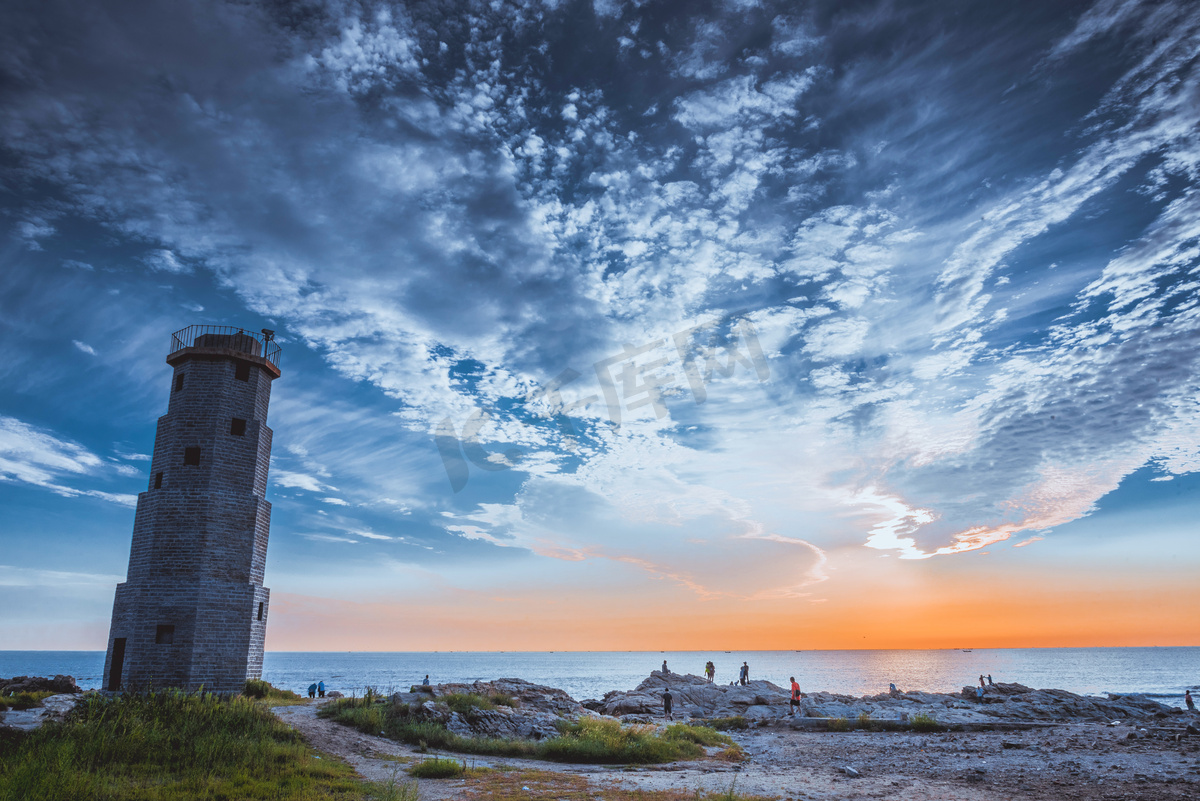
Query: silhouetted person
(665, 670)
(667, 698)
(312, 690)
(980, 679)
(795, 702)
(990, 682)
(744, 674)
(1187, 699)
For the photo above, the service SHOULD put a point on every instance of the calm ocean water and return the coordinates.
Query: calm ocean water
(1161, 672)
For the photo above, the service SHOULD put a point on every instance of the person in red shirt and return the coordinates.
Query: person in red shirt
(795, 696)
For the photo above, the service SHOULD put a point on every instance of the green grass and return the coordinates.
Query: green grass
(700, 735)
(725, 724)
(587, 741)
(395, 790)
(466, 704)
(608, 742)
(261, 690)
(170, 746)
(437, 768)
(923, 722)
(840, 724)
(24, 700)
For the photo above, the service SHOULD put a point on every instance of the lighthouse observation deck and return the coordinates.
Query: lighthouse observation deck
(224, 340)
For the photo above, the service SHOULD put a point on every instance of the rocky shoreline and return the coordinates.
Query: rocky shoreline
(763, 702)
(536, 709)
(1014, 742)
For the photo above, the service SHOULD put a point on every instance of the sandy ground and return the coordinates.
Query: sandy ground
(1072, 761)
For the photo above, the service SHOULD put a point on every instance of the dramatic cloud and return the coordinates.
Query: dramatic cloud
(705, 301)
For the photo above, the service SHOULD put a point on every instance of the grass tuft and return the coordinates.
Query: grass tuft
(924, 722)
(733, 754)
(24, 700)
(437, 768)
(466, 704)
(700, 735)
(725, 724)
(395, 790)
(262, 690)
(503, 699)
(840, 724)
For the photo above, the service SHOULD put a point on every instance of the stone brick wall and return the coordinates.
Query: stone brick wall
(200, 535)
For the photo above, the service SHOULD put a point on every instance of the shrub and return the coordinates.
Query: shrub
(864, 721)
(923, 722)
(437, 769)
(840, 724)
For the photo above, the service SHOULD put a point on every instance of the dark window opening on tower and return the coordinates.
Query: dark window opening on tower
(260, 610)
(242, 373)
(179, 382)
(191, 456)
(164, 634)
(237, 427)
(158, 480)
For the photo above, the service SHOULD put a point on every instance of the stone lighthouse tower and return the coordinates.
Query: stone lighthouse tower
(193, 611)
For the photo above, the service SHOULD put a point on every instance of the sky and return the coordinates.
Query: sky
(621, 325)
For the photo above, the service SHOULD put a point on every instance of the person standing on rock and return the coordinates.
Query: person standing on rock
(1187, 699)
(990, 683)
(667, 698)
(321, 689)
(710, 670)
(744, 674)
(980, 679)
(312, 690)
(795, 702)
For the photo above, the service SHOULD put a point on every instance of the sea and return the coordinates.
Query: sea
(1161, 673)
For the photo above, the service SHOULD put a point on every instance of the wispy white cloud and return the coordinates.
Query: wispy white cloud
(449, 230)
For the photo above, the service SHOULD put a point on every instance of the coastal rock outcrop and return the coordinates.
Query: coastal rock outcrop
(60, 684)
(696, 697)
(1018, 702)
(518, 708)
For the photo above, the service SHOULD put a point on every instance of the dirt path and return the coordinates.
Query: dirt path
(1067, 763)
